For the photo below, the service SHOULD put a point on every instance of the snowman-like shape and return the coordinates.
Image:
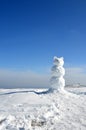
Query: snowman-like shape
(57, 73)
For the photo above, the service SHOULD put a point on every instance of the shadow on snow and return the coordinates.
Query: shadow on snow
(28, 91)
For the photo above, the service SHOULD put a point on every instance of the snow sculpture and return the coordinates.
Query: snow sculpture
(57, 72)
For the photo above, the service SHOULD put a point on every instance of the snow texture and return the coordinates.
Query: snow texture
(52, 111)
(57, 72)
(44, 109)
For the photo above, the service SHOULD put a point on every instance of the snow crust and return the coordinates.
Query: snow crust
(51, 111)
(57, 73)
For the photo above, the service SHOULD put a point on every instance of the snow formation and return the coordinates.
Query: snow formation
(34, 109)
(52, 111)
(57, 72)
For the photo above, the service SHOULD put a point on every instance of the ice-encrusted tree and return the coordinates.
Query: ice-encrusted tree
(57, 73)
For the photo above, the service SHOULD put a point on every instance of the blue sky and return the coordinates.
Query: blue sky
(33, 31)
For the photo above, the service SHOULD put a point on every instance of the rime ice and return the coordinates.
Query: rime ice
(57, 72)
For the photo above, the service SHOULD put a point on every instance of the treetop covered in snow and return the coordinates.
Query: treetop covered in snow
(57, 73)
(58, 61)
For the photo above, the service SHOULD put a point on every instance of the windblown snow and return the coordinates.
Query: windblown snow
(23, 109)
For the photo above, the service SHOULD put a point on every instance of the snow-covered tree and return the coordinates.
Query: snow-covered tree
(57, 73)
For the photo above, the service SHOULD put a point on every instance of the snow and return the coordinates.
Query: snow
(57, 80)
(40, 109)
(44, 109)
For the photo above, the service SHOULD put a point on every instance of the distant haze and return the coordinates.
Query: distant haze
(13, 79)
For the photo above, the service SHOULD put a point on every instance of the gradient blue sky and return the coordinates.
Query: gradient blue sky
(33, 31)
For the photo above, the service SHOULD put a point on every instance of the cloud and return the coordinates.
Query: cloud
(13, 79)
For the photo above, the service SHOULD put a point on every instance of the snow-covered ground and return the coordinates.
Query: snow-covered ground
(38, 109)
